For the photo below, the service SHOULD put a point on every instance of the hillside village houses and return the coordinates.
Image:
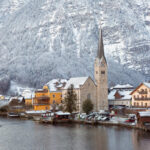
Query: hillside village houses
(95, 89)
(120, 95)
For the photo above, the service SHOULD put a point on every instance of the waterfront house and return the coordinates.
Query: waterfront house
(143, 118)
(120, 95)
(41, 100)
(17, 104)
(84, 87)
(141, 95)
(54, 88)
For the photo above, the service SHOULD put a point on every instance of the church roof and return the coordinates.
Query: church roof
(77, 81)
(100, 51)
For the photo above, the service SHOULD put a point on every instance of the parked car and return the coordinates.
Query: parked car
(132, 118)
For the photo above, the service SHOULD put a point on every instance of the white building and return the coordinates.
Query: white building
(120, 95)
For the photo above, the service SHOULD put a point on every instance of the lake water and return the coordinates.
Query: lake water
(28, 135)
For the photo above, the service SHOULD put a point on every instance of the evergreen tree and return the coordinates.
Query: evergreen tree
(87, 106)
(70, 100)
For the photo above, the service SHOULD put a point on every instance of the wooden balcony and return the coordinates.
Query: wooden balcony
(41, 103)
(43, 98)
(142, 99)
(142, 92)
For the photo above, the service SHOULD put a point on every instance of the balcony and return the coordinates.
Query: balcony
(142, 92)
(43, 98)
(41, 103)
(142, 99)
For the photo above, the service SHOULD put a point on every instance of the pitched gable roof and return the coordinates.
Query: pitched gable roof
(125, 94)
(144, 83)
(77, 81)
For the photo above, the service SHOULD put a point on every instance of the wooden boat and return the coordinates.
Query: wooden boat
(13, 115)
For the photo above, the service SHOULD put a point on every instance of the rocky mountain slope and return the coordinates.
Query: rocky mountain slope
(45, 39)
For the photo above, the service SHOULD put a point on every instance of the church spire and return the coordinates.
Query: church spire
(100, 52)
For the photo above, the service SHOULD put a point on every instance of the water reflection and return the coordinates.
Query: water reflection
(28, 135)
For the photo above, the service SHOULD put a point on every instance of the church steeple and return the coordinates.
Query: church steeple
(100, 74)
(100, 51)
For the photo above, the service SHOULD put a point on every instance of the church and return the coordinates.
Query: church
(86, 88)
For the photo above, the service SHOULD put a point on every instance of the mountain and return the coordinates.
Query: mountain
(45, 39)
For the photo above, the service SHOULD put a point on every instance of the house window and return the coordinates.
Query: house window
(145, 104)
(102, 72)
(53, 101)
(141, 103)
(53, 96)
(96, 72)
(134, 103)
(89, 96)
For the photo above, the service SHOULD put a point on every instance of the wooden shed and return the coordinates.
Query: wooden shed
(143, 118)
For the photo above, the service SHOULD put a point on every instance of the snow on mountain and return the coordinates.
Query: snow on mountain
(45, 39)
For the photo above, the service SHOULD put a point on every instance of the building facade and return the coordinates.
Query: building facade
(54, 88)
(84, 87)
(119, 95)
(141, 95)
(41, 100)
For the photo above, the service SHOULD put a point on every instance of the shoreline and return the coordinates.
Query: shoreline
(92, 123)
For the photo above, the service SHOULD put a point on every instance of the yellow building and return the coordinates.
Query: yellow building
(54, 88)
(41, 100)
(50, 94)
(141, 95)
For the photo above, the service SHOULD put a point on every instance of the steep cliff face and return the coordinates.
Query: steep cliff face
(45, 39)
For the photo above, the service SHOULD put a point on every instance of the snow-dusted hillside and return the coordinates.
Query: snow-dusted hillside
(45, 39)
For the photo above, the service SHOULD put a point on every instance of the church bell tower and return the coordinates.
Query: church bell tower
(100, 73)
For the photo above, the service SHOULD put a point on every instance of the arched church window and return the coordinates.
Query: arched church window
(89, 96)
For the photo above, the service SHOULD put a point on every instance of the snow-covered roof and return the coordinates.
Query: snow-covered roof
(125, 86)
(27, 94)
(19, 98)
(124, 93)
(147, 84)
(56, 84)
(144, 113)
(36, 112)
(62, 113)
(77, 81)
